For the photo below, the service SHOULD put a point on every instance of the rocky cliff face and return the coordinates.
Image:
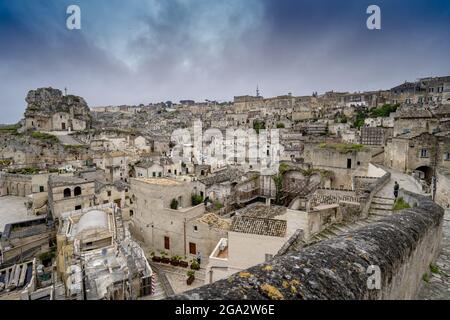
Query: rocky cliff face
(47, 101)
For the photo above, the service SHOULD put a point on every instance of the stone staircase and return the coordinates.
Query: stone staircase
(159, 293)
(68, 140)
(380, 207)
(167, 268)
(120, 228)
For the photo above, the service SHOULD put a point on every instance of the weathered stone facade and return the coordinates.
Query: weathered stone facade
(49, 110)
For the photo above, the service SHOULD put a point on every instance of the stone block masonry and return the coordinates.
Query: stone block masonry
(402, 245)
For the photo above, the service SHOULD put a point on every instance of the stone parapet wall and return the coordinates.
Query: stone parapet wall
(402, 246)
(443, 188)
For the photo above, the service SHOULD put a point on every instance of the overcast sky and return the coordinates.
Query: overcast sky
(141, 51)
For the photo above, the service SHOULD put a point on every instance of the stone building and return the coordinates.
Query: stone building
(69, 193)
(115, 165)
(22, 185)
(344, 160)
(414, 120)
(155, 219)
(373, 136)
(431, 90)
(421, 152)
(158, 167)
(49, 110)
(256, 234)
(97, 259)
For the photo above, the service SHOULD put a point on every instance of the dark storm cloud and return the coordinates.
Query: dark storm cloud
(141, 51)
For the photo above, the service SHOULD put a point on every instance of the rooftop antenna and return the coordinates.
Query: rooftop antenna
(65, 91)
(257, 90)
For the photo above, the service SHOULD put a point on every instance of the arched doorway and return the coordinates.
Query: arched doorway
(425, 173)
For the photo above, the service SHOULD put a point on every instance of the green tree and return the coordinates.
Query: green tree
(174, 204)
(196, 199)
(258, 125)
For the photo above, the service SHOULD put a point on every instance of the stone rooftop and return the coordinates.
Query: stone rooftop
(260, 226)
(213, 220)
(159, 181)
(229, 174)
(261, 210)
(61, 180)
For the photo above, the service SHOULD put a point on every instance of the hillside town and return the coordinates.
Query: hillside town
(152, 201)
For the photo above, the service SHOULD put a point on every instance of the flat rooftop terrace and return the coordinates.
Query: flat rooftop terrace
(159, 181)
(12, 209)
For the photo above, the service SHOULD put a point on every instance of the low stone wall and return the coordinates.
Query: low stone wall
(443, 188)
(402, 246)
(368, 193)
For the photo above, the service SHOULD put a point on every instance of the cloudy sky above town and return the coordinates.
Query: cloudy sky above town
(141, 51)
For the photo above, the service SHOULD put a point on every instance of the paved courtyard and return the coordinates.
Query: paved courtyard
(12, 209)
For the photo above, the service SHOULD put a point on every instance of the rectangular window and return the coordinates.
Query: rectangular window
(195, 228)
(167, 243)
(349, 163)
(447, 156)
(41, 188)
(192, 248)
(78, 207)
(109, 193)
(424, 153)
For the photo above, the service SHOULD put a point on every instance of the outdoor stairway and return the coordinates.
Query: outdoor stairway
(159, 293)
(380, 207)
(167, 268)
(69, 140)
(120, 228)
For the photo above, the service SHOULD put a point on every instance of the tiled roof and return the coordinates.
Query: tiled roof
(260, 226)
(229, 174)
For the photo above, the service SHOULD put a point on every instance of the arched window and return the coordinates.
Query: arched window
(67, 193)
(77, 191)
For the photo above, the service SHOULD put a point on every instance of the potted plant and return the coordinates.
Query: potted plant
(183, 263)
(195, 265)
(164, 257)
(155, 258)
(175, 261)
(191, 277)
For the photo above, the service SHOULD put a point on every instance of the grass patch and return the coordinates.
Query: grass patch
(434, 269)
(342, 147)
(29, 171)
(74, 148)
(400, 204)
(218, 205)
(426, 277)
(44, 137)
(10, 129)
(383, 111)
